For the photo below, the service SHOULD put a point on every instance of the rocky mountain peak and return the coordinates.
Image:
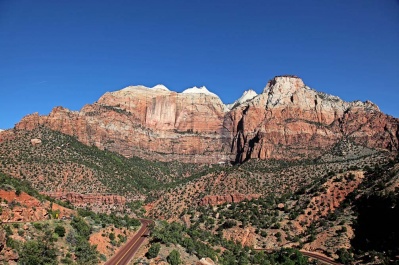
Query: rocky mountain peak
(199, 90)
(157, 88)
(368, 105)
(160, 87)
(246, 96)
(284, 84)
(287, 121)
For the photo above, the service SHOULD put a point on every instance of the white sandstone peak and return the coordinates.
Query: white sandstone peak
(284, 84)
(160, 87)
(199, 90)
(131, 88)
(246, 96)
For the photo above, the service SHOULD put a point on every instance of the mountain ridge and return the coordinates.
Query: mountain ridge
(287, 120)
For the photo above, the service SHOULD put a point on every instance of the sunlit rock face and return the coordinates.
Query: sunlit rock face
(291, 121)
(153, 123)
(288, 120)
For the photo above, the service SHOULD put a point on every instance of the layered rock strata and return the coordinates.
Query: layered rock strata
(151, 123)
(288, 120)
(83, 199)
(291, 121)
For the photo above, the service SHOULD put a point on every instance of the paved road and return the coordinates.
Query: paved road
(126, 253)
(319, 257)
(309, 254)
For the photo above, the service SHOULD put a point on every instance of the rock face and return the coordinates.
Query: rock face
(246, 96)
(244, 236)
(205, 261)
(229, 198)
(83, 199)
(288, 120)
(8, 256)
(36, 142)
(291, 121)
(25, 208)
(153, 123)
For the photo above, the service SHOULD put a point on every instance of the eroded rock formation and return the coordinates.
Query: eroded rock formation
(83, 199)
(151, 123)
(25, 208)
(291, 121)
(288, 120)
(228, 198)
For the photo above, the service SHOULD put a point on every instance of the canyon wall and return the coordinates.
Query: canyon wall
(288, 120)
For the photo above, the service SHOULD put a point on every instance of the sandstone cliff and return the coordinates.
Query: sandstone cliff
(288, 120)
(84, 199)
(153, 123)
(291, 121)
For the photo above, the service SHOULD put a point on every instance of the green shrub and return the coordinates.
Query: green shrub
(174, 257)
(59, 230)
(38, 226)
(153, 251)
(37, 252)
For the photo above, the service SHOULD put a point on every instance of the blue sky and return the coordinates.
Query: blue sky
(69, 53)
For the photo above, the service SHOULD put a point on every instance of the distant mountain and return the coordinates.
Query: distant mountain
(287, 120)
(246, 96)
(311, 171)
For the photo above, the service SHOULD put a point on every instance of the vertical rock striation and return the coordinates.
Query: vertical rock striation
(288, 120)
(291, 121)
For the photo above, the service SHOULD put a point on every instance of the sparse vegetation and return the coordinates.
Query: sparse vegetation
(301, 203)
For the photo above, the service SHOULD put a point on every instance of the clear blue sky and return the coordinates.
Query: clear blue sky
(69, 53)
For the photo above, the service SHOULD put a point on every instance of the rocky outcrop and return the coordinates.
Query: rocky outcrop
(25, 208)
(246, 96)
(8, 256)
(2, 239)
(288, 120)
(36, 142)
(205, 261)
(83, 199)
(244, 236)
(291, 121)
(228, 198)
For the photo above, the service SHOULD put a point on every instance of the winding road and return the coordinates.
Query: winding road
(318, 256)
(126, 253)
(309, 254)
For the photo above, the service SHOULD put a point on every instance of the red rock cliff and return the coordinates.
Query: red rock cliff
(291, 121)
(288, 120)
(83, 199)
(152, 123)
